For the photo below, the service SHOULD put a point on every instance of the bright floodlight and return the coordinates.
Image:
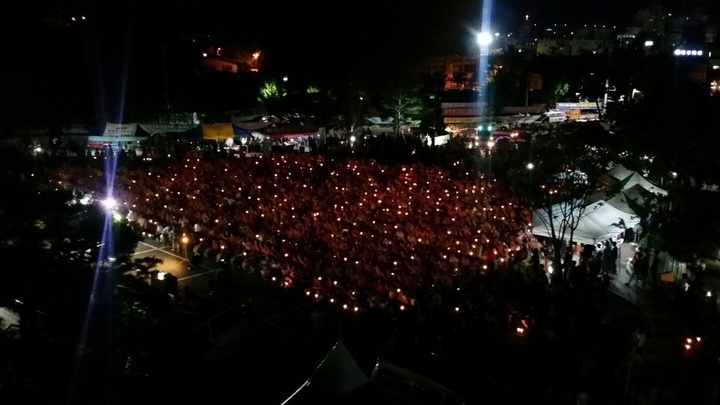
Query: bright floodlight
(109, 203)
(530, 166)
(484, 38)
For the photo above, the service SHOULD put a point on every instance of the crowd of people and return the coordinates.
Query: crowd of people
(357, 233)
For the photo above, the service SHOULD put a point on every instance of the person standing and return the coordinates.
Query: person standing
(636, 266)
(614, 254)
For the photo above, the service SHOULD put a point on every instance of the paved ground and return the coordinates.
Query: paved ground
(670, 372)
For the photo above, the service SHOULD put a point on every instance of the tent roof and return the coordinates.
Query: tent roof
(599, 221)
(338, 374)
(637, 178)
(217, 132)
(620, 172)
(621, 202)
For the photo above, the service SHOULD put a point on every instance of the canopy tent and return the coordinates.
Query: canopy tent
(240, 132)
(637, 178)
(638, 195)
(620, 172)
(124, 130)
(217, 132)
(620, 201)
(634, 200)
(598, 221)
(290, 131)
(336, 376)
(628, 178)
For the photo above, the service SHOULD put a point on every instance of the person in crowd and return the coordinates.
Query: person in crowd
(638, 271)
(614, 257)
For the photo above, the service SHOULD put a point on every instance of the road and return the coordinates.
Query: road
(175, 263)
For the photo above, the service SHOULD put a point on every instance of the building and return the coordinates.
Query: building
(221, 63)
(458, 72)
(572, 47)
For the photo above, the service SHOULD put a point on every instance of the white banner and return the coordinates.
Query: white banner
(112, 129)
(165, 128)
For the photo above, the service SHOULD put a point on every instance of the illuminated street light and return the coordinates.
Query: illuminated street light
(109, 203)
(530, 166)
(484, 38)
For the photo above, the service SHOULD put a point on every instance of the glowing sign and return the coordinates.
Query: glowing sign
(688, 52)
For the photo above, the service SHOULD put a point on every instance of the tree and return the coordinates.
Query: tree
(559, 90)
(566, 179)
(272, 97)
(405, 108)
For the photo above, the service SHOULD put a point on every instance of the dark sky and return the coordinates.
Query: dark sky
(120, 45)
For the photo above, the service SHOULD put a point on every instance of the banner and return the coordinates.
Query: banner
(112, 129)
(464, 120)
(478, 105)
(165, 128)
(460, 112)
(585, 105)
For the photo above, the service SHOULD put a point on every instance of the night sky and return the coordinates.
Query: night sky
(314, 29)
(120, 46)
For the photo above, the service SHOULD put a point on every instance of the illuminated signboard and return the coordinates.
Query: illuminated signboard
(688, 52)
(464, 120)
(585, 105)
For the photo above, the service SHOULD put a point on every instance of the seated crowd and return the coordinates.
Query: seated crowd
(354, 233)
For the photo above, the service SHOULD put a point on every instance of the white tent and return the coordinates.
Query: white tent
(621, 202)
(337, 375)
(620, 172)
(637, 179)
(599, 221)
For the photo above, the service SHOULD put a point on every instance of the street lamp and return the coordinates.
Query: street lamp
(484, 39)
(109, 203)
